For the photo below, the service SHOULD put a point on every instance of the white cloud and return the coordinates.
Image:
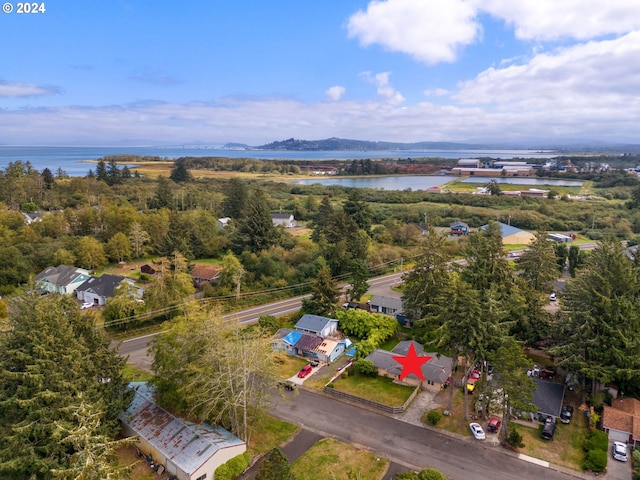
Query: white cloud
(437, 92)
(22, 89)
(431, 31)
(553, 19)
(601, 74)
(383, 88)
(335, 93)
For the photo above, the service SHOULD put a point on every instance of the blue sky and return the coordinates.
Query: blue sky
(114, 72)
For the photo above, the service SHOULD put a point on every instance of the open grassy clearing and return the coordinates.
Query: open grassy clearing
(133, 374)
(141, 470)
(288, 365)
(332, 460)
(269, 432)
(379, 389)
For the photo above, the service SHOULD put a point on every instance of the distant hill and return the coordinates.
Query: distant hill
(330, 144)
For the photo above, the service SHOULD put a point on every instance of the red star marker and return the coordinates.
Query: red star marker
(412, 363)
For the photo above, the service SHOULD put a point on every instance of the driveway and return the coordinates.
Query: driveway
(617, 470)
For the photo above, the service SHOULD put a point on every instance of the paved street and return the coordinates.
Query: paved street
(408, 445)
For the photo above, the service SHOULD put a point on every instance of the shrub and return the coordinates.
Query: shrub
(434, 417)
(233, 467)
(597, 440)
(365, 367)
(596, 461)
(514, 439)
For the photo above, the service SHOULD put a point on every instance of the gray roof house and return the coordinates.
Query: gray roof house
(317, 325)
(184, 449)
(97, 290)
(62, 279)
(388, 305)
(435, 372)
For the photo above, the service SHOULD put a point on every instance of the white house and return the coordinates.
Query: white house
(97, 290)
(317, 325)
(284, 219)
(187, 450)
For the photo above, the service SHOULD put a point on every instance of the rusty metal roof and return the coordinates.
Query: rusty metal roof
(188, 445)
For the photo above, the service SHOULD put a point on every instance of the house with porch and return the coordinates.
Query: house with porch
(187, 450)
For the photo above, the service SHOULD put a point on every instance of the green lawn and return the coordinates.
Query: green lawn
(380, 389)
(132, 374)
(566, 447)
(269, 432)
(330, 459)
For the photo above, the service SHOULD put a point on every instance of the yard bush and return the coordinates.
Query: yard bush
(434, 417)
(514, 439)
(233, 467)
(597, 440)
(596, 461)
(365, 367)
(426, 474)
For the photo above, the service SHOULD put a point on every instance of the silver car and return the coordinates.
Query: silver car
(620, 451)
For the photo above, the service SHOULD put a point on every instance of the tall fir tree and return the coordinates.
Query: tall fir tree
(54, 361)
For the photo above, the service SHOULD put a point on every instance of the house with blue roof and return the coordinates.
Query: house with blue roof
(512, 235)
(187, 450)
(317, 325)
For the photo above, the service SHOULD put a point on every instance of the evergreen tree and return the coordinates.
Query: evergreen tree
(255, 231)
(164, 196)
(126, 172)
(113, 173)
(237, 194)
(275, 466)
(47, 178)
(358, 210)
(429, 278)
(321, 219)
(101, 171)
(324, 294)
(179, 173)
(600, 339)
(539, 264)
(53, 362)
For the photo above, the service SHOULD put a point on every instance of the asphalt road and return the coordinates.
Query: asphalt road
(405, 444)
(136, 348)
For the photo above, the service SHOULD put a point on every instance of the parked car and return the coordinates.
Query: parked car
(287, 385)
(84, 306)
(620, 451)
(475, 374)
(566, 414)
(477, 431)
(494, 425)
(549, 429)
(553, 297)
(306, 370)
(547, 372)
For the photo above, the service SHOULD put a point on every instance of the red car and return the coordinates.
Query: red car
(306, 370)
(494, 425)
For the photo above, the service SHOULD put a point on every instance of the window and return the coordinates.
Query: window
(202, 477)
(430, 382)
